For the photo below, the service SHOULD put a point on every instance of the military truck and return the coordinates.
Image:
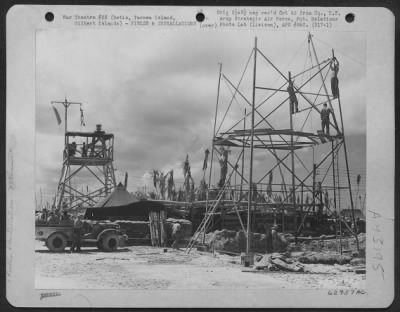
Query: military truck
(106, 235)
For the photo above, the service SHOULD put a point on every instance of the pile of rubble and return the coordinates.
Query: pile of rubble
(278, 262)
(311, 262)
(235, 242)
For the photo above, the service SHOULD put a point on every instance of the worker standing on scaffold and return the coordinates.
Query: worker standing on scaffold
(325, 112)
(334, 80)
(294, 104)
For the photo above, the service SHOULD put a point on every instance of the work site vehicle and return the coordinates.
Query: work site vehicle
(106, 235)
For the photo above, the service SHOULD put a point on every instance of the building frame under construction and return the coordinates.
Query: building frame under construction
(282, 144)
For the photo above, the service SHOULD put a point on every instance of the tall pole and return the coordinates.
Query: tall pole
(340, 212)
(348, 177)
(249, 203)
(66, 104)
(243, 148)
(291, 111)
(313, 186)
(212, 145)
(334, 177)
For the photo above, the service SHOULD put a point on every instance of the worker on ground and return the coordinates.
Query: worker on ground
(176, 235)
(52, 218)
(268, 238)
(65, 218)
(274, 239)
(325, 112)
(77, 234)
(294, 104)
(334, 80)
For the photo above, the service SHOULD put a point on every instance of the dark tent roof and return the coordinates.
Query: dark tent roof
(119, 197)
(134, 211)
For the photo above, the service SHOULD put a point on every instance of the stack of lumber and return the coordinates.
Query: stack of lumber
(157, 224)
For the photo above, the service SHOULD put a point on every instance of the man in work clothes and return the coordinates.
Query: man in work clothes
(269, 239)
(334, 80)
(325, 112)
(294, 104)
(77, 234)
(176, 235)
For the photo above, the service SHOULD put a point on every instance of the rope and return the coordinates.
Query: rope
(340, 52)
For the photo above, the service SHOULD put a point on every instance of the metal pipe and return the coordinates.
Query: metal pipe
(212, 144)
(251, 149)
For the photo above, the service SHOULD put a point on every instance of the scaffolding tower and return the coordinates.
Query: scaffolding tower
(283, 133)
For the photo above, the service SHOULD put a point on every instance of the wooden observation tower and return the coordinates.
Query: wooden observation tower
(87, 173)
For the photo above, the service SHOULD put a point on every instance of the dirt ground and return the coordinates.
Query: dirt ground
(145, 267)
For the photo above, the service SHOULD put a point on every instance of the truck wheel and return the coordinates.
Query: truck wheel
(56, 242)
(99, 245)
(109, 242)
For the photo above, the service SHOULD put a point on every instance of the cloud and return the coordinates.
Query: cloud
(157, 93)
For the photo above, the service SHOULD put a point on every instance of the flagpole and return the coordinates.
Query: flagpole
(66, 104)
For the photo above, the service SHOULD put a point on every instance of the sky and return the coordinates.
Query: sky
(157, 92)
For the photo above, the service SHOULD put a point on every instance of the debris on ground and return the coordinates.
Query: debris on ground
(235, 241)
(324, 258)
(277, 262)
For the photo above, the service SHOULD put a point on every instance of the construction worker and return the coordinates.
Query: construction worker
(84, 150)
(52, 218)
(77, 234)
(268, 237)
(325, 112)
(176, 235)
(294, 104)
(334, 80)
(274, 239)
(65, 218)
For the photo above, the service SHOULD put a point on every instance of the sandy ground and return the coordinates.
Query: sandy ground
(144, 267)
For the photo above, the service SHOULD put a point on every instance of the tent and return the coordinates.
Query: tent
(119, 197)
(121, 205)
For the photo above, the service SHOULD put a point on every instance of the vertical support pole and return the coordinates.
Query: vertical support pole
(339, 213)
(212, 147)
(321, 202)
(348, 178)
(243, 146)
(334, 177)
(302, 198)
(313, 187)
(66, 114)
(291, 111)
(249, 203)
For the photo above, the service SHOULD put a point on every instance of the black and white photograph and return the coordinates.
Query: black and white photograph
(199, 159)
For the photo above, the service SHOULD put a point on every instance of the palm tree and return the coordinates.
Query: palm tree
(188, 184)
(155, 176)
(171, 184)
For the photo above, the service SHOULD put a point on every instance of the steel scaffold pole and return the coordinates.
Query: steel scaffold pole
(212, 145)
(249, 204)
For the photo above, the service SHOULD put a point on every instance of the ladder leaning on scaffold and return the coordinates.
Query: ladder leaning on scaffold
(204, 223)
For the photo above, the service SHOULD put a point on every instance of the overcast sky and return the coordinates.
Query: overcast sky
(156, 91)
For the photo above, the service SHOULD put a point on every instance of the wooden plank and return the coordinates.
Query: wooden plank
(163, 228)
